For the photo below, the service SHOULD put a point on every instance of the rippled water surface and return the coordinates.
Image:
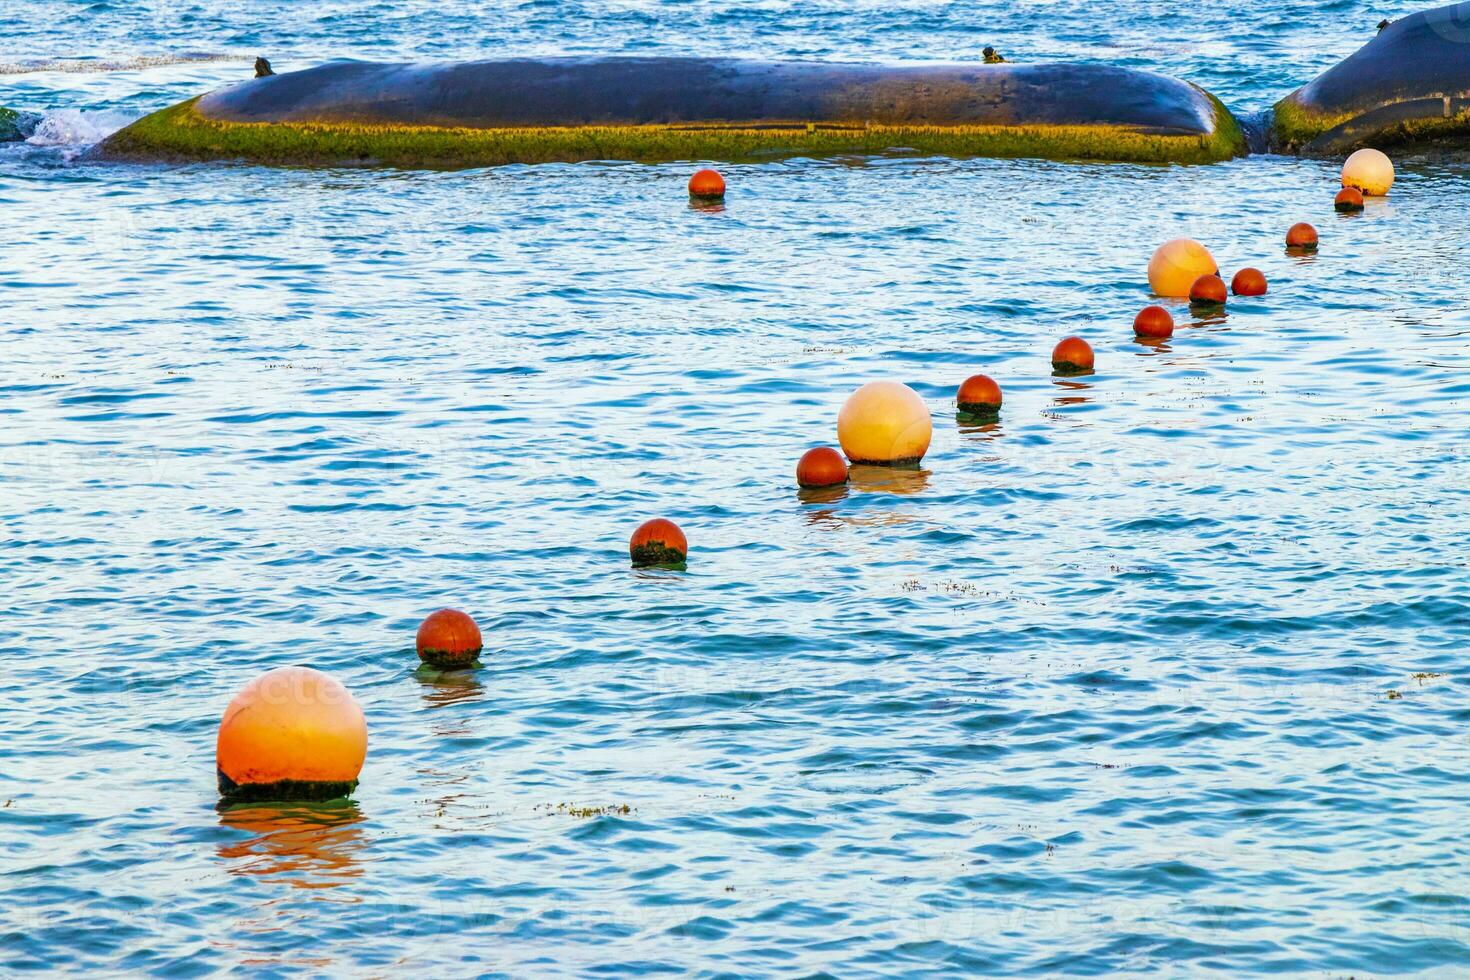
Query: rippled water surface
(1164, 672)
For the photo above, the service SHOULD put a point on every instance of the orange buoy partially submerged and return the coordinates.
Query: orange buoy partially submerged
(1301, 237)
(448, 639)
(1348, 199)
(979, 395)
(1072, 356)
(658, 543)
(1370, 171)
(884, 423)
(1207, 291)
(821, 467)
(707, 185)
(1153, 321)
(293, 733)
(1248, 282)
(1177, 264)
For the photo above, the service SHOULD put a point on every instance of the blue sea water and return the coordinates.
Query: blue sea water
(1164, 673)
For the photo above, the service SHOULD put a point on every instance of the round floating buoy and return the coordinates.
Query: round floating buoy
(1177, 264)
(885, 423)
(293, 733)
(1153, 321)
(979, 395)
(1072, 356)
(707, 185)
(1301, 237)
(1348, 199)
(658, 542)
(821, 467)
(1370, 171)
(1248, 282)
(449, 639)
(1207, 291)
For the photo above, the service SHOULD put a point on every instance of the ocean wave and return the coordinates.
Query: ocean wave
(98, 65)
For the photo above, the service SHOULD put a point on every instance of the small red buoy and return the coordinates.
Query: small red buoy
(979, 395)
(1207, 291)
(821, 467)
(658, 542)
(707, 185)
(1348, 199)
(1248, 282)
(1302, 237)
(1072, 355)
(449, 639)
(1153, 321)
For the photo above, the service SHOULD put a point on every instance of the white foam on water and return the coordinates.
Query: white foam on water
(78, 128)
(96, 65)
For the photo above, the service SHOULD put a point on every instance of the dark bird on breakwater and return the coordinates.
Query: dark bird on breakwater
(262, 68)
(1383, 23)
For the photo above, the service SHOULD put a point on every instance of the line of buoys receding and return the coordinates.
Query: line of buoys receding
(1348, 199)
(1176, 265)
(1208, 291)
(1369, 171)
(295, 733)
(1153, 322)
(979, 395)
(1248, 282)
(1072, 355)
(707, 186)
(448, 639)
(658, 543)
(884, 423)
(1301, 237)
(292, 733)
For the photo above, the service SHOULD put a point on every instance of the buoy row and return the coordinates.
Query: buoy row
(295, 733)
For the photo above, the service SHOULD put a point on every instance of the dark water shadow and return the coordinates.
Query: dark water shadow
(1151, 346)
(303, 845)
(979, 429)
(442, 688)
(1076, 391)
(888, 479)
(822, 495)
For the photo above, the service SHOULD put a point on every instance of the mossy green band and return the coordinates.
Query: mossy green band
(284, 791)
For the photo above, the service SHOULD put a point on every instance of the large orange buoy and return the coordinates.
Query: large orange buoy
(979, 395)
(1301, 237)
(1348, 199)
(1207, 291)
(707, 185)
(658, 542)
(1370, 171)
(885, 423)
(1153, 321)
(821, 467)
(1177, 264)
(449, 639)
(293, 733)
(1071, 356)
(1248, 282)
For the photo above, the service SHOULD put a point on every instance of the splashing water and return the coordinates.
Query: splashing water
(74, 130)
